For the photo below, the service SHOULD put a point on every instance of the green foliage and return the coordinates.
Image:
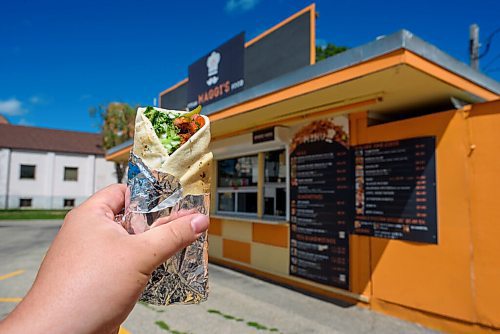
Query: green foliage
(117, 123)
(253, 324)
(256, 325)
(329, 50)
(163, 325)
(14, 214)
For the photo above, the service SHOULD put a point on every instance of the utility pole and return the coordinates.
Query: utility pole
(474, 46)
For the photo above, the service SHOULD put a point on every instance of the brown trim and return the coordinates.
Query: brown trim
(312, 31)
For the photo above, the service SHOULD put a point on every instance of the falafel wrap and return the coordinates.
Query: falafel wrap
(168, 176)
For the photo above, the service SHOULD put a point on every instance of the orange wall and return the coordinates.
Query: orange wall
(452, 286)
(483, 136)
(459, 277)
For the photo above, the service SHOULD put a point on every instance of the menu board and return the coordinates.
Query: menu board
(395, 185)
(321, 201)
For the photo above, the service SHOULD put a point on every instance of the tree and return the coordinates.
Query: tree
(323, 52)
(117, 121)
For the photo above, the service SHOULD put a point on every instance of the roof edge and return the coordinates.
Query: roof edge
(120, 147)
(402, 39)
(422, 48)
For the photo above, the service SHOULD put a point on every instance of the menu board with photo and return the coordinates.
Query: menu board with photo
(321, 202)
(395, 184)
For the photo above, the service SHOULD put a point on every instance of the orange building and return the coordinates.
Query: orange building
(395, 210)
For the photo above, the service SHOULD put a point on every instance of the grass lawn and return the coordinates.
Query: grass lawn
(32, 214)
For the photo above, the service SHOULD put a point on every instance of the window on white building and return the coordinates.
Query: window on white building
(69, 202)
(27, 172)
(25, 202)
(70, 173)
(237, 185)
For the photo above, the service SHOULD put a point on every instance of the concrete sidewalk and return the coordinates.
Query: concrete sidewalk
(237, 303)
(242, 304)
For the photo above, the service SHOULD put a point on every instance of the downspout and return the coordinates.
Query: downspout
(94, 175)
(8, 179)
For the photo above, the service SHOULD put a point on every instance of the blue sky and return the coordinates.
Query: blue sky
(59, 58)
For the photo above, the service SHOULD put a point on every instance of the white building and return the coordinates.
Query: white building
(50, 169)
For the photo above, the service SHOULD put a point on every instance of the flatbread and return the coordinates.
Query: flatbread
(190, 163)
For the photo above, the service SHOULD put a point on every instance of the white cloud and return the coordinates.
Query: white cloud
(11, 107)
(25, 122)
(35, 99)
(39, 99)
(240, 5)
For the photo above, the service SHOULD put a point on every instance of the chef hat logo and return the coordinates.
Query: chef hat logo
(213, 63)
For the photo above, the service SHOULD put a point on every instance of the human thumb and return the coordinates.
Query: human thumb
(165, 240)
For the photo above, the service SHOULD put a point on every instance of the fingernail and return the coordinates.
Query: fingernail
(199, 223)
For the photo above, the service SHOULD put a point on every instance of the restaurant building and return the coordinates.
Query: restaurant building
(368, 177)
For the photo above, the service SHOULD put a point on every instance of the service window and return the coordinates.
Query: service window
(27, 172)
(275, 183)
(25, 202)
(70, 174)
(237, 185)
(69, 202)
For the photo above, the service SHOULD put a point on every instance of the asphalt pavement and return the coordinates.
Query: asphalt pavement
(237, 303)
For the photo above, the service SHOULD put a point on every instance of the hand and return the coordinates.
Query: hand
(94, 271)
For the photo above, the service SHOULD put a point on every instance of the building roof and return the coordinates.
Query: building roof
(40, 139)
(382, 47)
(402, 39)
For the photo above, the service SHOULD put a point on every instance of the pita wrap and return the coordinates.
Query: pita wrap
(166, 177)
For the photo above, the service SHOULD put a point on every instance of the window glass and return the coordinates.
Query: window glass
(275, 183)
(275, 201)
(27, 172)
(275, 166)
(25, 202)
(247, 202)
(70, 174)
(226, 202)
(238, 172)
(69, 202)
(237, 184)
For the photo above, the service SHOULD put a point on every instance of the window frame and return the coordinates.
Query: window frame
(64, 174)
(25, 199)
(69, 199)
(259, 188)
(21, 172)
(236, 191)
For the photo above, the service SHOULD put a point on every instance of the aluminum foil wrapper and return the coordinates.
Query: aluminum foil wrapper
(152, 194)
